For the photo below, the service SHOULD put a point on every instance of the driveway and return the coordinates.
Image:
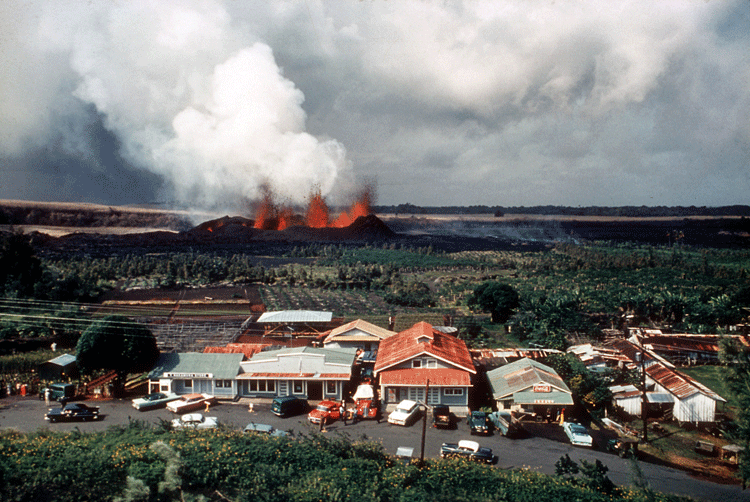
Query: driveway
(26, 414)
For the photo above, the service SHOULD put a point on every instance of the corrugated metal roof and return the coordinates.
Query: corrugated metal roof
(334, 356)
(221, 366)
(284, 316)
(438, 377)
(63, 360)
(359, 325)
(679, 384)
(306, 376)
(422, 339)
(522, 374)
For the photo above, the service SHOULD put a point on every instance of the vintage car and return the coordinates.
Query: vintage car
(625, 447)
(265, 429)
(366, 403)
(58, 391)
(327, 411)
(190, 402)
(287, 406)
(73, 412)
(154, 400)
(441, 417)
(479, 423)
(405, 413)
(577, 434)
(469, 450)
(195, 421)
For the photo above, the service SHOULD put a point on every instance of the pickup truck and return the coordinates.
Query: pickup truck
(366, 403)
(469, 450)
(441, 417)
(504, 422)
(479, 423)
(326, 411)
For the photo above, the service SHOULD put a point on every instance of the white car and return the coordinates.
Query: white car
(577, 434)
(154, 400)
(190, 402)
(195, 421)
(405, 413)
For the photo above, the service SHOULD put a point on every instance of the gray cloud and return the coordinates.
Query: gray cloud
(510, 103)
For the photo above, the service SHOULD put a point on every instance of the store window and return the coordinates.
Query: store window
(331, 387)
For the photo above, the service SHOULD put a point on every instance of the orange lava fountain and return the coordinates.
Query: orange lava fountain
(271, 217)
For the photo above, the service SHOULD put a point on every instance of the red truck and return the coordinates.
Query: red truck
(327, 411)
(366, 402)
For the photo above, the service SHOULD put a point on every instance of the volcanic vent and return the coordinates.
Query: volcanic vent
(314, 223)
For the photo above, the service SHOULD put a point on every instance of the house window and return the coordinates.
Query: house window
(331, 387)
(453, 391)
(262, 385)
(424, 363)
(188, 384)
(225, 384)
(297, 388)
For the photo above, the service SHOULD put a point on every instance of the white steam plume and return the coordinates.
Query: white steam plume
(191, 98)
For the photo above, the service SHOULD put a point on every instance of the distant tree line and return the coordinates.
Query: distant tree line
(631, 211)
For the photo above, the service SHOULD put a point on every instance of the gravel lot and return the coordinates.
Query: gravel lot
(26, 414)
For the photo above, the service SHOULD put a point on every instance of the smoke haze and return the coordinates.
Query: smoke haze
(203, 102)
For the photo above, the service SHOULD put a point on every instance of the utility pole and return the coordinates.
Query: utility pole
(424, 421)
(639, 357)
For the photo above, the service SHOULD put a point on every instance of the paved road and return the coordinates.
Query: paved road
(538, 453)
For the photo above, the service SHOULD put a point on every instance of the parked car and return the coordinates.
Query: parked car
(479, 423)
(441, 417)
(327, 411)
(366, 403)
(195, 421)
(288, 406)
(405, 413)
(469, 450)
(624, 447)
(265, 429)
(58, 391)
(577, 434)
(190, 402)
(154, 400)
(73, 412)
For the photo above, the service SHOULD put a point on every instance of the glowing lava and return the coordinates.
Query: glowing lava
(270, 216)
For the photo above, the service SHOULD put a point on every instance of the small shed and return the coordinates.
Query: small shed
(62, 367)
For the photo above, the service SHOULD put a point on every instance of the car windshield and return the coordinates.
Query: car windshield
(154, 397)
(404, 409)
(323, 407)
(577, 429)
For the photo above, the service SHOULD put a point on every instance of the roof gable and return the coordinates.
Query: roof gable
(423, 339)
(360, 329)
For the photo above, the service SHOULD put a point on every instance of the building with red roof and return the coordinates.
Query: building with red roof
(411, 359)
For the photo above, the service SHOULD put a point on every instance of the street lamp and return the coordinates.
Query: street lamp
(644, 414)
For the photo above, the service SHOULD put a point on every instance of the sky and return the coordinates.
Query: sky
(205, 104)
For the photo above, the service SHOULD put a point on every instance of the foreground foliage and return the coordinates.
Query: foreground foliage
(138, 462)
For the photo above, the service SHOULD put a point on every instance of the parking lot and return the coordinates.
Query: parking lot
(538, 451)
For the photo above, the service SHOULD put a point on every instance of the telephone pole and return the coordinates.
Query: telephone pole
(424, 421)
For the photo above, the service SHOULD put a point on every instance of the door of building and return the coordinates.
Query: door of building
(315, 391)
